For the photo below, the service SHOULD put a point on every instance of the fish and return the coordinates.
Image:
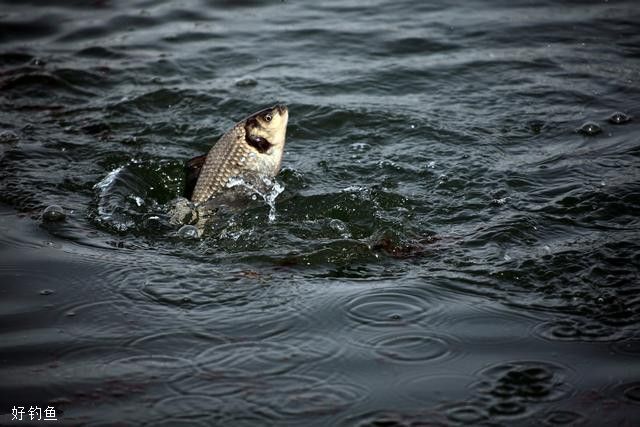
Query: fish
(250, 151)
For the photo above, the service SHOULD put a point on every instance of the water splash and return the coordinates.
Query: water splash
(107, 207)
(108, 180)
(272, 189)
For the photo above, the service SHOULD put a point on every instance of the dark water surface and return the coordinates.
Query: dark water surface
(452, 245)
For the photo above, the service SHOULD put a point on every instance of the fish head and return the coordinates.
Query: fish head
(266, 130)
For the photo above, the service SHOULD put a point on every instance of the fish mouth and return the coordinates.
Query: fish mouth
(281, 108)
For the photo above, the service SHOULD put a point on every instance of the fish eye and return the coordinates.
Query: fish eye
(268, 117)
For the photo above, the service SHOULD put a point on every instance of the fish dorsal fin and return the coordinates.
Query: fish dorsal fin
(192, 169)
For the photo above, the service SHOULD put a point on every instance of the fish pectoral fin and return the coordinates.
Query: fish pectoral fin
(192, 169)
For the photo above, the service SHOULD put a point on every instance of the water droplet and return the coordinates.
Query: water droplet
(188, 232)
(360, 146)
(589, 129)
(53, 213)
(46, 292)
(337, 225)
(499, 202)
(139, 200)
(619, 118)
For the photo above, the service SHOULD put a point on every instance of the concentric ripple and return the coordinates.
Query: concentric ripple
(413, 346)
(578, 330)
(388, 307)
(298, 396)
(267, 357)
(436, 388)
(190, 407)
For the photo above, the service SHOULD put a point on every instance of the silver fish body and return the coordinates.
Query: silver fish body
(251, 151)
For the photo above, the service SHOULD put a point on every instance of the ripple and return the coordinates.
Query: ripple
(93, 363)
(192, 407)
(589, 129)
(39, 27)
(618, 118)
(100, 52)
(424, 131)
(53, 213)
(388, 307)
(632, 392)
(268, 357)
(578, 330)
(489, 328)
(224, 383)
(417, 346)
(562, 418)
(189, 344)
(172, 421)
(466, 413)
(160, 362)
(411, 348)
(129, 194)
(394, 419)
(297, 396)
(524, 382)
(8, 137)
(96, 320)
(437, 388)
(242, 303)
(628, 346)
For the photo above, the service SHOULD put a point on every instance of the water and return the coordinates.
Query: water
(454, 241)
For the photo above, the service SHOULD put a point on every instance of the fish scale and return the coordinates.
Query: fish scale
(222, 163)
